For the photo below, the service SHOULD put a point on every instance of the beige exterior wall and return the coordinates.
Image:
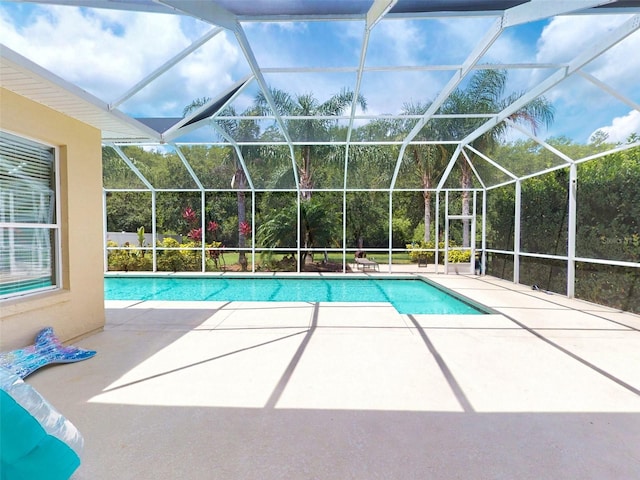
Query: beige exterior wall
(78, 308)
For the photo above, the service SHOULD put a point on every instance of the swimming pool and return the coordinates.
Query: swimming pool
(410, 296)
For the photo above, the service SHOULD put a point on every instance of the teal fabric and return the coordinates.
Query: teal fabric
(26, 450)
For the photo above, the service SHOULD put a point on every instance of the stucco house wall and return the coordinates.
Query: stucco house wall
(77, 309)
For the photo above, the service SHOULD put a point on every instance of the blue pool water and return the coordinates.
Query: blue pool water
(411, 296)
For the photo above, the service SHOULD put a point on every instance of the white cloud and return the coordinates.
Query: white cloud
(581, 106)
(560, 37)
(401, 40)
(507, 49)
(622, 127)
(106, 52)
(419, 42)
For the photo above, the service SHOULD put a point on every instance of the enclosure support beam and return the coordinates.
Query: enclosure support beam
(207, 11)
(253, 230)
(490, 162)
(481, 48)
(571, 234)
(446, 231)
(542, 143)
(609, 90)
(147, 184)
(203, 229)
(187, 165)
(344, 229)
(236, 147)
(131, 165)
(589, 53)
(483, 254)
(166, 66)
(620, 148)
(437, 232)
(378, 10)
(447, 170)
(298, 237)
(247, 175)
(375, 13)
(390, 230)
(541, 9)
(473, 168)
(473, 235)
(356, 91)
(154, 231)
(253, 64)
(516, 233)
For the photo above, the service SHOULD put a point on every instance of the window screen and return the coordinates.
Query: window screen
(29, 229)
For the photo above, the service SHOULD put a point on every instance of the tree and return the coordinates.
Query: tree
(319, 225)
(426, 161)
(485, 94)
(367, 217)
(237, 130)
(308, 129)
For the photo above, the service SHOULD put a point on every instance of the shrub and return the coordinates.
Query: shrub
(169, 260)
(459, 256)
(127, 260)
(192, 258)
(416, 252)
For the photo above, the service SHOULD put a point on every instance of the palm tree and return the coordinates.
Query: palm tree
(427, 161)
(238, 130)
(308, 129)
(485, 94)
(319, 225)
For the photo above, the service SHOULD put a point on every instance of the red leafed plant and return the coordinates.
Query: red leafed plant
(189, 215)
(212, 226)
(245, 228)
(195, 234)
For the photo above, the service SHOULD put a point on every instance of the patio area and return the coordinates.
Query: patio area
(548, 388)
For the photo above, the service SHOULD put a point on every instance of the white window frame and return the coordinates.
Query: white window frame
(55, 228)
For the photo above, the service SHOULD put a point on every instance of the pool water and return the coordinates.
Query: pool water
(409, 296)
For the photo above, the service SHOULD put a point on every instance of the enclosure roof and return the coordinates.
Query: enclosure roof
(130, 67)
(276, 9)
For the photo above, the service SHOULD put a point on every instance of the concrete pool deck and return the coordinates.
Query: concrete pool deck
(549, 388)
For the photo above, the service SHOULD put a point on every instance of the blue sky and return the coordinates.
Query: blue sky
(106, 52)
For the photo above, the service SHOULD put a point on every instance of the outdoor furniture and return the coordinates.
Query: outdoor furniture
(37, 440)
(364, 263)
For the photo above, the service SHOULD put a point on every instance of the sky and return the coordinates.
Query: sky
(106, 52)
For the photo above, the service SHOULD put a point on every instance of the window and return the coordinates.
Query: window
(29, 223)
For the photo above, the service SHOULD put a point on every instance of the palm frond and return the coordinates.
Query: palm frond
(536, 113)
(194, 105)
(339, 102)
(486, 88)
(282, 100)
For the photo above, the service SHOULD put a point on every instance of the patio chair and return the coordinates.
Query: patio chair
(363, 263)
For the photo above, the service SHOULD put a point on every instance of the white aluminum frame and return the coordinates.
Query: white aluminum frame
(223, 20)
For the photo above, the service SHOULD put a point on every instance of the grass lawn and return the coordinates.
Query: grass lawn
(400, 258)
